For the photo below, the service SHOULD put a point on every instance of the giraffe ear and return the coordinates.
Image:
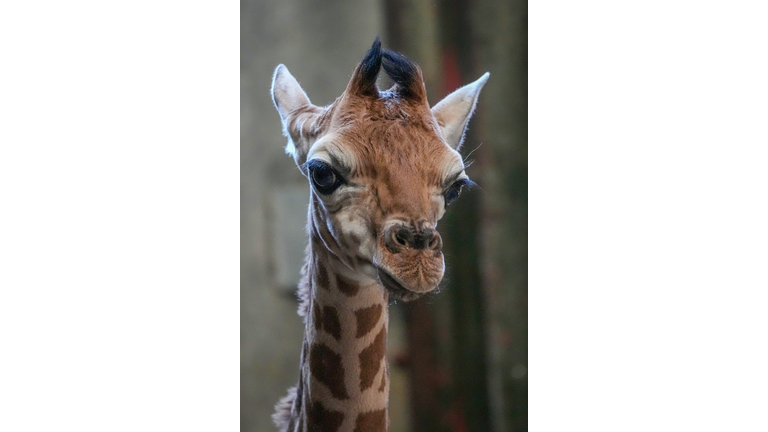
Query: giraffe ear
(297, 114)
(453, 112)
(287, 94)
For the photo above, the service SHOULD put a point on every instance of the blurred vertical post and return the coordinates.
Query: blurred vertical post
(463, 252)
(500, 35)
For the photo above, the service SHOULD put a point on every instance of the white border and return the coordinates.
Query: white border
(648, 215)
(119, 240)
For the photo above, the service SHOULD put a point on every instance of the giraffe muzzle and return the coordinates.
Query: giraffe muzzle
(410, 260)
(398, 238)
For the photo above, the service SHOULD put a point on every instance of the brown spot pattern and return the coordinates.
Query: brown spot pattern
(327, 319)
(331, 322)
(367, 319)
(317, 317)
(384, 378)
(370, 359)
(322, 419)
(372, 421)
(347, 286)
(322, 277)
(326, 366)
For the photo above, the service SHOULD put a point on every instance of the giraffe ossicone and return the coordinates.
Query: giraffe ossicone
(382, 168)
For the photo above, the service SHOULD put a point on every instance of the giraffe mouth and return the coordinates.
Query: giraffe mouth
(395, 288)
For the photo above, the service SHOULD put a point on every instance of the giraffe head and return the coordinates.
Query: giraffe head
(382, 165)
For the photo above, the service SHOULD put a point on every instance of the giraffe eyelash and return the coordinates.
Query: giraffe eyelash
(335, 180)
(452, 193)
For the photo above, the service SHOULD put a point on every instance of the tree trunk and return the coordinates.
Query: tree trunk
(462, 226)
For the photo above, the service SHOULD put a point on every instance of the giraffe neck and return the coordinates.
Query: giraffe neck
(344, 384)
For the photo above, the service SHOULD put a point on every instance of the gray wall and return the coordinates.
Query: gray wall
(320, 43)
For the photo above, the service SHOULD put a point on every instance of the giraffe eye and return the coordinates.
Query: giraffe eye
(325, 178)
(453, 192)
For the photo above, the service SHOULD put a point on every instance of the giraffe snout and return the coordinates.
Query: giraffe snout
(398, 238)
(410, 262)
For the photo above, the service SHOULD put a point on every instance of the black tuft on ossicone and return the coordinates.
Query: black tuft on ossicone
(369, 67)
(403, 72)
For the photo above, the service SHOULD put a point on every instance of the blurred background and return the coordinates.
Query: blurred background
(459, 358)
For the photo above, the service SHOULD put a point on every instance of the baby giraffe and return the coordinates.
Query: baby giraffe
(382, 168)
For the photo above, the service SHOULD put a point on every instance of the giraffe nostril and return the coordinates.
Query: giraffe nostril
(395, 240)
(400, 239)
(435, 241)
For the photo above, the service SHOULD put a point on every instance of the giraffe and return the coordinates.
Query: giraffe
(382, 168)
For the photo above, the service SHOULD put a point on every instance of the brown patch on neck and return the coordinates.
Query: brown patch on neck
(346, 286)
(327, 319)
(367, 319)
(371, 358)
(322, 277)
(322, 419)
(331, 322)
(384, 378)
(317, 316)
(372, 421)
(326, 366)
